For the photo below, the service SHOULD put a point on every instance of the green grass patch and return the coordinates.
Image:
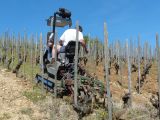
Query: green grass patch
(35, 95)
(101, 114)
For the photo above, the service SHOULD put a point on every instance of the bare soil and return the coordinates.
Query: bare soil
(16, 102)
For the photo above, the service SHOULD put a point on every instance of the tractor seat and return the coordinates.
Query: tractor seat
(70, 50)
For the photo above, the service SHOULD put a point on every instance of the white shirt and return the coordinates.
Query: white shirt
(70, 35)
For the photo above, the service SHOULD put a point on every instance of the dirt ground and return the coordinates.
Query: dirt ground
(15, 105)
(149, 87)
(20, 101)
(139, 101)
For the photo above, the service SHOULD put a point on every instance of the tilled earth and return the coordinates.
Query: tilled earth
(16, 102)
(14, 105)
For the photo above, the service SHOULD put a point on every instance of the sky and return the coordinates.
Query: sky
(125, 18)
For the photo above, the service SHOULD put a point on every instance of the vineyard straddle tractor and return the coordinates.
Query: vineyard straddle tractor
(89, 89)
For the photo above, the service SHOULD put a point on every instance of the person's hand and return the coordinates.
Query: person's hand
(86, 51)
(52, 60)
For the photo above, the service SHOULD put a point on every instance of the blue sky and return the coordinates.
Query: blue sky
(125, 18)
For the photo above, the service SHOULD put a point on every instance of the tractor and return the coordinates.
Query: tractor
(62, 71)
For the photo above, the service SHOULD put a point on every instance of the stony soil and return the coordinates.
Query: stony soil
(14, 105)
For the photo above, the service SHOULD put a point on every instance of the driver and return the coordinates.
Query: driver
(67, 36)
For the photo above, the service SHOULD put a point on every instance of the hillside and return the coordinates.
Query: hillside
(21, 100)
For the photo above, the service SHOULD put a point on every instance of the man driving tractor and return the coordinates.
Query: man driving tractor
(67, 36)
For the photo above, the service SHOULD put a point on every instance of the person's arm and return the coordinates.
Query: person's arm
(84, 45)
(61, 42)
(81, 39)
(62, 38)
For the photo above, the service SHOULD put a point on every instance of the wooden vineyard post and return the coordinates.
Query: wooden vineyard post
(18, 48)
(89, 45)
(120, 64)
(145, 54)
(106, 71)
(41, 63)
(96, 53)
(118, 51)
(35, 50)
(150, 54)
(1, 48)
(129, 75)
(12, 50)
(55, 83)
(95, 57)
(75, 66)
(6, 56)
(111, 50)
(5, 47)
(24, 54)
(131, 51)
(155, 54)
(31, 48)
(139, 67)
(8, 50)
(158, 61)
(89, 48)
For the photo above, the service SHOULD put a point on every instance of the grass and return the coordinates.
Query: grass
(98, 114)
(27, 111)
(137, 114)
(35, 95)
(5, 116)
(101, 114)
